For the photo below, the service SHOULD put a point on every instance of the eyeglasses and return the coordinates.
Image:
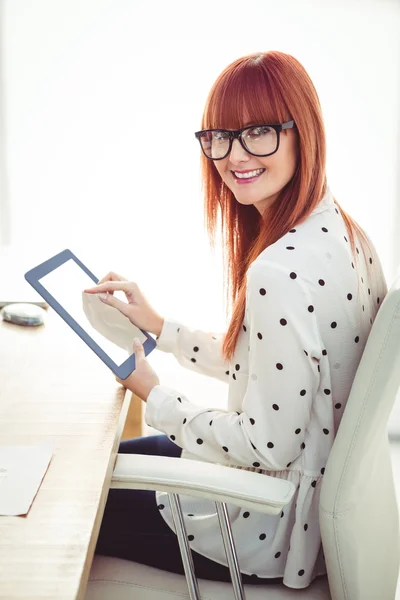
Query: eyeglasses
(258, 140)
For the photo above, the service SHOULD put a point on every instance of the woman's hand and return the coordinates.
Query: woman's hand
(143, 378)
(138, 309)
(140, 314)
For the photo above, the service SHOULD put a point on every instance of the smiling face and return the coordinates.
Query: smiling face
(262, 189)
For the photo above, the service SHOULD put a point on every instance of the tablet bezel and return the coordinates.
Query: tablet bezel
(34, 275)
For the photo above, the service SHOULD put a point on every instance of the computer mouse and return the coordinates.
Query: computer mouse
(22, 313)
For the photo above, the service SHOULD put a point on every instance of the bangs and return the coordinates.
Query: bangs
(244, 95)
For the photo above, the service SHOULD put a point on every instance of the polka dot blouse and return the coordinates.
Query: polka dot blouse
(305, 328)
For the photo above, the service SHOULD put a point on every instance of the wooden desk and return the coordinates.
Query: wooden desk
(53, 388)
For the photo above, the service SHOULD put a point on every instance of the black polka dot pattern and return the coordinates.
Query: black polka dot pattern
(298, 332)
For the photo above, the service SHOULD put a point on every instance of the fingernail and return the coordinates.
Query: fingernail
(136, 341)
(103, 296)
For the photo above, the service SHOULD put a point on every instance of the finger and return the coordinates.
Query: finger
(111, 286)
(138, 349)
(112, 277)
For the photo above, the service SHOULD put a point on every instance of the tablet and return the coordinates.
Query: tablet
(60, 280)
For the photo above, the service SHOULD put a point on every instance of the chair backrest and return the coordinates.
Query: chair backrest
(358, 510)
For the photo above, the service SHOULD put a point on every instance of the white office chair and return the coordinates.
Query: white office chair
(358, 509)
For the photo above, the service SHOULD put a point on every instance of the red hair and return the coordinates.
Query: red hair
(272, 87)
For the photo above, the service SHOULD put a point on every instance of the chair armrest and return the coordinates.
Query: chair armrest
(204, 480)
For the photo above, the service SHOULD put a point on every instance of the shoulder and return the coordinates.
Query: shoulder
(275, 279)
(265, 270)
(306, 254)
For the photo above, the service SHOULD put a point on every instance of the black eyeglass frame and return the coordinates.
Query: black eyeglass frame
(237, 134)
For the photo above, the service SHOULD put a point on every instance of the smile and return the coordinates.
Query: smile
(248, 176)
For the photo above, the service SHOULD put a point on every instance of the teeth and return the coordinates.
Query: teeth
(249, 174)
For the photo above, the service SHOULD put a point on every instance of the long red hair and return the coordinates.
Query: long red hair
(273, 87)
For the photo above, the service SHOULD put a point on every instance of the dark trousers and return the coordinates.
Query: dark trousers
(132, 527)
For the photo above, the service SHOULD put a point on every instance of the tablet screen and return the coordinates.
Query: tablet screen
(66, 284)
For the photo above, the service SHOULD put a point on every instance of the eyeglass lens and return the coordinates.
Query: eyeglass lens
(258, 140)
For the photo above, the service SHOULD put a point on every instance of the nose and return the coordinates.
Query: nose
(238, 153)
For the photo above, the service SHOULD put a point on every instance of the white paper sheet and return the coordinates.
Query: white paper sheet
(22, 469)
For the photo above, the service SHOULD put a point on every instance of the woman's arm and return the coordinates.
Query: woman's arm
(196, 350)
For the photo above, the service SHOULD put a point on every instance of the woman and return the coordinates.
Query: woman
(306, 285)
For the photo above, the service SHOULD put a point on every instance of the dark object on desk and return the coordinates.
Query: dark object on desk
(22, 313)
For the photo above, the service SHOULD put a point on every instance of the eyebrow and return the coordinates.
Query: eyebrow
(249, 124)
(252, 123)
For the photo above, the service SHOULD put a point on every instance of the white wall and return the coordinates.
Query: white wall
(101, 101)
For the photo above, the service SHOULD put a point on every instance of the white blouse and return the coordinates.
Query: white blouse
(302, 338)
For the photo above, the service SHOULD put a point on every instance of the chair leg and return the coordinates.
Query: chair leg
(230, 550)
(184, 547)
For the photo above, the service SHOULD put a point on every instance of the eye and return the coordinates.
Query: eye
(220, 136)
(255, 132)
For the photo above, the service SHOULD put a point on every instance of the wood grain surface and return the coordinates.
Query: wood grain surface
(54, 389)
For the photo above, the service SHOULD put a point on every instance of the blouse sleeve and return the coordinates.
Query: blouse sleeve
(196, 350)
(284, 351)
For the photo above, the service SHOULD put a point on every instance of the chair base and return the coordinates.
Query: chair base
(118, 579)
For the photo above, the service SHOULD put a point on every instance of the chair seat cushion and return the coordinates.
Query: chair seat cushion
(118, 579)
